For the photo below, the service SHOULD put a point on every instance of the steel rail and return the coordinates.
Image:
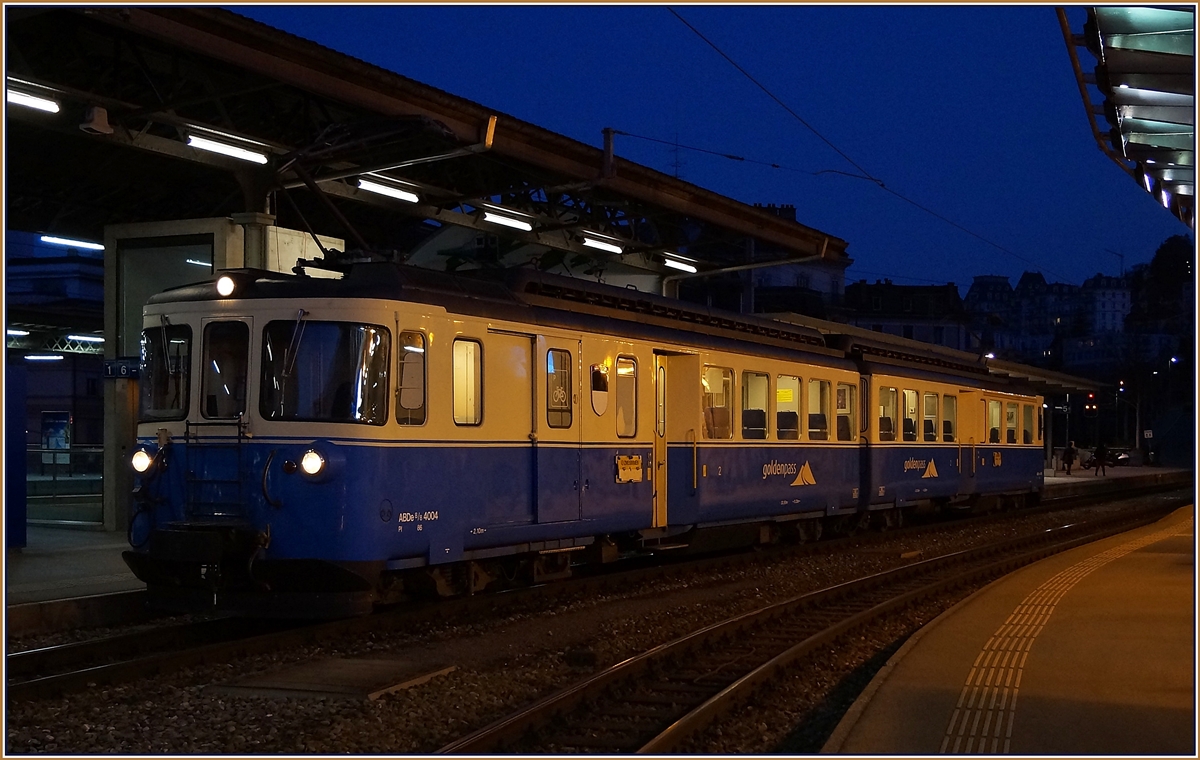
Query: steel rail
(718, 705)
(23, 664)
(558, 707)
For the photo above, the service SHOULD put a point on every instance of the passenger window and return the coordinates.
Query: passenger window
(1027, 424)
(626, 397)
(1010, 423)
(660, 401)
(600, 389)
(410, 409)
(929, 425)
(325, 371)
(993, 420)
(910, 415)
(949, 418)
(223, 379)
(887, 414)
(846, 404)
(787, 408)
(818, 410)
(756, 388)
(718, 402)
(468, 382)
(166, 366)
(558, 388)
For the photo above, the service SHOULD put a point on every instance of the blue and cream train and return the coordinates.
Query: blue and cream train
(316, 446)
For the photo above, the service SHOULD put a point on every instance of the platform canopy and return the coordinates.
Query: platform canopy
(141, 96)
(1145, 73)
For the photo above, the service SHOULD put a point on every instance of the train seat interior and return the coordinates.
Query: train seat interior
(716, 422)
(843, 428)
(787, 425)
(886, 431)
(754, 424)
(818, 427)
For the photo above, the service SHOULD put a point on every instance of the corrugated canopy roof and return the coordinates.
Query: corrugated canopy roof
(164, 76)
(1145, 73)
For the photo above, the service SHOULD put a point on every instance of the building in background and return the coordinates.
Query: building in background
(928, 313)
(54, 326)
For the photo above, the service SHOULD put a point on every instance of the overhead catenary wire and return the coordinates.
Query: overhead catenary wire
(864, 173)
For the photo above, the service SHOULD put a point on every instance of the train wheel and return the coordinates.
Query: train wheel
(809, 530)
(885, 519)
(551, 567)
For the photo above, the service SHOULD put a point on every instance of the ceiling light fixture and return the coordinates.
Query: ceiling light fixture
(601, 245)
(32, 101)
(388, 190)
(86, 338)
(199, 263)
(17, 333)
(507, 221)
(71, 243)
(44, 357)
(225, 149)
(679, 265)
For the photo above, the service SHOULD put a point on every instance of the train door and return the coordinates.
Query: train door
(660, 441)
(214, 460)
(676, 412)
(969, 435)
(559, 438)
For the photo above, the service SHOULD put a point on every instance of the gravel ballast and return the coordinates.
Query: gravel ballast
(504, 662)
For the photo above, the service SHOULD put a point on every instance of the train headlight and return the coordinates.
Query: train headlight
(225, 285)
(312, 463)
(141, 460)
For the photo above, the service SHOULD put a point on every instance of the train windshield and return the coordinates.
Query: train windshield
(324, 371)
(166, 362)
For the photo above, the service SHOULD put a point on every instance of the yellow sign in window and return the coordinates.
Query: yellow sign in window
(784, 395)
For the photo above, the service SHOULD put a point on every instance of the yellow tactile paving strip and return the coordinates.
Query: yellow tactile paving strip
(982, 721)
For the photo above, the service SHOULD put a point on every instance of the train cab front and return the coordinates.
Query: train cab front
(227, 514)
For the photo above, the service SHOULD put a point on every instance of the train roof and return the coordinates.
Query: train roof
(526, 295)
(880, 350)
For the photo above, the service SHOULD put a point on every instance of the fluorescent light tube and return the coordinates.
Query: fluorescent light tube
(678, 257)
(18, 333)
(32, 101)
(507, 221)
(225, 149)
(44, 357)
(71, 243)
(601, 245)
(199, 263)
(86, 338)
(388, 190)
(679, 265)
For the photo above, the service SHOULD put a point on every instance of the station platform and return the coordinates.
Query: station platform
(1088, 652)
(59, 563)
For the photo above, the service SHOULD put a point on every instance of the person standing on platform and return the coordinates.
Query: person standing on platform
(1069, 454)
(1101, 455)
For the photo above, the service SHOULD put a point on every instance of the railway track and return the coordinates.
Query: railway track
(655, 701)
(52, 671)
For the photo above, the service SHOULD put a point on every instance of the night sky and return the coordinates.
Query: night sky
(971, 112)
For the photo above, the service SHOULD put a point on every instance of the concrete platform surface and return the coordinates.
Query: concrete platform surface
(1090, 652)
(59, 563)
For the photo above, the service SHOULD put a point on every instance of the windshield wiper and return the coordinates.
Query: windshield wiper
(289, 357)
